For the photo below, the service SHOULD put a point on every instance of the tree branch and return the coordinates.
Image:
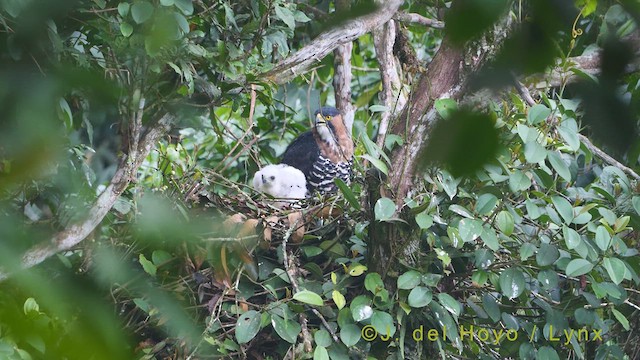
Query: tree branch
(418, 19)
(342, 75)
(526, 95)
(391, 96)
(74, 234)
(446, 77)
(606, 157)
(589, 64)
(326, 42)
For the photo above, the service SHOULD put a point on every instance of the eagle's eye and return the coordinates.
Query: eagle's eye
(328, 117)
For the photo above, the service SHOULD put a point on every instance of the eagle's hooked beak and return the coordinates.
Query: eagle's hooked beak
(320, 119)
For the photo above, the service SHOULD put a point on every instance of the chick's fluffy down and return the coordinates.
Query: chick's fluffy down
(281, 181)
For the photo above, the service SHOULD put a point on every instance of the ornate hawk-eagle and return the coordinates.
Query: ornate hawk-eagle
(324, 153)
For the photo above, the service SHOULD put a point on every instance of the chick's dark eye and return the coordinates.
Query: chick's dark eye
(272, 177)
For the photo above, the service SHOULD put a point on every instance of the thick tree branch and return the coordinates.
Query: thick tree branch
(418, 19)
(446, 77)
(326, 42)
(74, 234)
(391, 96)
(442, 79)
(342, 75)
(606, 157)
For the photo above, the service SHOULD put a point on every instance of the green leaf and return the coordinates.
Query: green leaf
(547, 254)
(377, 163)
(469, 229)
(322, 338)
(373, 282)
(431, 279)
(548, 278)
(64, 113)
(449, 183)
(483, 258)
(320, 353)
(490, 238)
(534, 152)
(247, 326)
(568, 130)
(142, 304)
(526, 133)
(454, 237)
(288, 330)
(486, 203)
(229, 16)
(141, 11)
(350, 334)
(183, 24)
(126, 29)
(361, 308)
(445, 107)
(559, 165)
(615, 268)
(167, 2)
(452, 305)
(338, 299)
(491, 307)
(461, 210)
(584, 316)
(378, 108)
(621, 223)
(603, 238)
(505, 222)
(383, 323)
(582, 216)
(571, 237)
(519, 181)
(384, 209)
(636, 204)
(588, 7)
(621, 319)
(547, 353)
(301, 17)
(186, 6)
(409, 280)
(30, 306)
(479, 278)
(510, 321)
(356, 269)
(564, 208)
(537, 114)
(123, 9)
(512, 282)
(308, 297)
(392, 140)
(526, 250)
(424, 220)
(286, 16)
(348, 193)
(147, 265)
(578, 267)
(420, 297)
(159, 257)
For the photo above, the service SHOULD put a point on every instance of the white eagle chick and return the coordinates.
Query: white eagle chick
(282, 182)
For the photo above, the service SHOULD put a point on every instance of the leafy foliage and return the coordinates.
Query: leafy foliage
(523, 239)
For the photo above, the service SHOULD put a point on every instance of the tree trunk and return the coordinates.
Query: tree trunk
(445, 77)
